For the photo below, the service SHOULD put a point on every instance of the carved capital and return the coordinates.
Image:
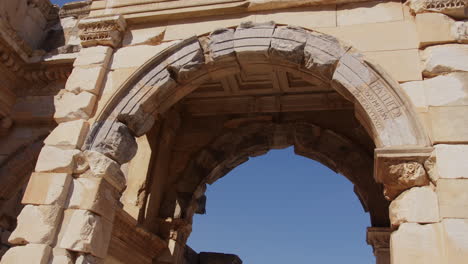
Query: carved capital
(378, 237)
(106, 31)
(401, 169)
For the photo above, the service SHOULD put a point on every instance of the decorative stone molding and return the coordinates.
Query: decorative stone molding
(378, 237)
(106, 31)
(401, 169)
(450, 7)
(75, 9)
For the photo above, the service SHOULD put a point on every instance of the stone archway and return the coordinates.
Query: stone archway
(381, 107)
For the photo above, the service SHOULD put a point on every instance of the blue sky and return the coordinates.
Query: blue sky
(282, 208)
(60, 2)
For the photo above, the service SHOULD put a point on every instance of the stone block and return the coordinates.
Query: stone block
(416, 205)
(31, 253)
(135, 56)
(70, 106)
(84, 231)
(443, 59)
(456, 240)
(104, 167)
(53, 159)
(119, 144)
(402, 65)
(417, 244)
(252, 41)
(453, 198)
(434, 28)
(451, 161)
(397, 35)
(99, 55)
(460, 31)
(47, 189)
(93, 194)
(307, 17)
(61, 256)
(416, 92)
(288, 44)
(144, 35)
(369, 12)
(86, 79)
(89, 259)
(36, 224)
(449, 124)
(68, 135)
(447, 90)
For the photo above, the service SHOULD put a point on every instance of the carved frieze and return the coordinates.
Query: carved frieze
(107, 31)
(454, 8)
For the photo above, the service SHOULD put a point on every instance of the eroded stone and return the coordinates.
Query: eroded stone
(84, 231)
(443, 59)
(119, 144)
(68, 135)
(104, 167)
(47, 189)
(288, 43)
(70, 106)
(53, 159)
(85, 80)
(36, 224)
(416, 205)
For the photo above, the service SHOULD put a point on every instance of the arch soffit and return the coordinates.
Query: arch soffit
(381, 105)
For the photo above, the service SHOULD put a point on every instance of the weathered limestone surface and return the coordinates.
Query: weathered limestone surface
(451, 161)
(53, 159)
(31, 253)
(456, 239)
(417, 244)
(417, 92)
(447, 90)
(404, 176)
(70, 106)
(449, 124)
(93, 56)
(103, 167)
(84, 231)
(443, 59)
(68, 135)
(36, 224)
(95, 195)
(369, 12)
(416, 205)
(61, 256)
(85, 80)
(47, 189)
(453, 198)
(434, 28)
(119, 145)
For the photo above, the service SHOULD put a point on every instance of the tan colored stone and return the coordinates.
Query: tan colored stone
(416, 92)
(402, 65)
(71, 107)
(104, 167)
(417, 244)
(434, 28)
(68, 135)
(369, 12)
(84, 231)
(135, 56)
(449, 124)
(90, 259)
(456, 240)
(36, 224)
(52, 159)
(308, 17)
(85, 79)
(453, 198)
(144, 35)
(451, 161)
(443, 59)
(95, 195)
(398, 35)
(47, 189)
(99, 55)
(416, 205)
(447, 90)
(31, 253)
(61, 256)
(460, 31)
